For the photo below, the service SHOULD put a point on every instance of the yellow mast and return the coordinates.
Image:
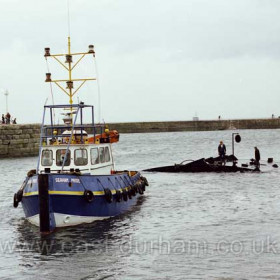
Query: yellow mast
(69, 82)
(70, 70)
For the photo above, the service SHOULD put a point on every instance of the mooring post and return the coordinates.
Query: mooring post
(237, 139)
(46, 216)
(232, 143)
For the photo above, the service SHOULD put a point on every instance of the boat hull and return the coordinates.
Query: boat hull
(67, 204)
(63, 220)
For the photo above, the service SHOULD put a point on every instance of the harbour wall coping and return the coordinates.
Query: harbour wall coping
(23, 140)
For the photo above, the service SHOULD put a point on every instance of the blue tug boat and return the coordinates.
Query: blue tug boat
(75, 180)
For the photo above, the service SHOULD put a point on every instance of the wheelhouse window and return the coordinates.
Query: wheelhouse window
(102, 155)
(47, 158)
(94, 155)
(81, 157)
(60, 155)
(107, 154)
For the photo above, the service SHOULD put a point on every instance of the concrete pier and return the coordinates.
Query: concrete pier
(23, 140)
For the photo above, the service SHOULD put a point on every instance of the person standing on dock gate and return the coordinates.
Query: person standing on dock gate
(222, 152)
(257, 157)
(3, 119)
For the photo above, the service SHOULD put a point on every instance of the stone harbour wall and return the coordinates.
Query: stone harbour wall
(23, 140)
(203, 125)
(19, 140)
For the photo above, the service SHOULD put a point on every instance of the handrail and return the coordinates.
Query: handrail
(185, 161)
(41, 140)
(68, 126)
(68, 106)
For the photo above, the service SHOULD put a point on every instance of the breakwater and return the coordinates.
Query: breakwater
(19, 140)
(202, 125)
(23, 140)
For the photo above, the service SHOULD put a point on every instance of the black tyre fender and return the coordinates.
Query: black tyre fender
(129, 192)
(140, 189)
(136, 187)
(88, 195)
(124, 194)
(108, 195)
(16, 202)
(143, 186)
(133, 190)
(144, 179)
(31, 172)
(19, 195)
(118, 196)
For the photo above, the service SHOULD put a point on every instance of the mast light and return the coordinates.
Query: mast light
(91, 49)
(69, 84)
(47, 52)
(48, 77)
(68, 58)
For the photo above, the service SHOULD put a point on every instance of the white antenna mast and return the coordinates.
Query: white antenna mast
(98, 91)
(68, 8)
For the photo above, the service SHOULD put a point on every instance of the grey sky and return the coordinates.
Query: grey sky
(157, 59)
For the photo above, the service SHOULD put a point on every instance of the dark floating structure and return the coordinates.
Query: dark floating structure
(205, 165)
(211, 164)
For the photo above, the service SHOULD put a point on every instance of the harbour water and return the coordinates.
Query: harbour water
(186, 226)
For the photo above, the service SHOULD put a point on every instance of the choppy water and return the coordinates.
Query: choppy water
(187, 226)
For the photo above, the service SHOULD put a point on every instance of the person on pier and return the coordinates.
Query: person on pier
(222, 152)
(257, 157)
(8, 118)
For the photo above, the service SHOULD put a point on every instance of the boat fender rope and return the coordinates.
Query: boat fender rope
(128, 181)
(88, 195)
(122, 181)
(118, 193)
(80, 178)
(108, 195)
(118, 182)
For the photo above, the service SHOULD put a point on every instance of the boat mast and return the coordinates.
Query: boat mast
(69, 90)
(70, 71)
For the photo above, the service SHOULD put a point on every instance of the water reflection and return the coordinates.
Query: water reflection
(98, 237)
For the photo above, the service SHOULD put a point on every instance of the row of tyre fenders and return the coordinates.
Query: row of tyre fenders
(123, 195)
